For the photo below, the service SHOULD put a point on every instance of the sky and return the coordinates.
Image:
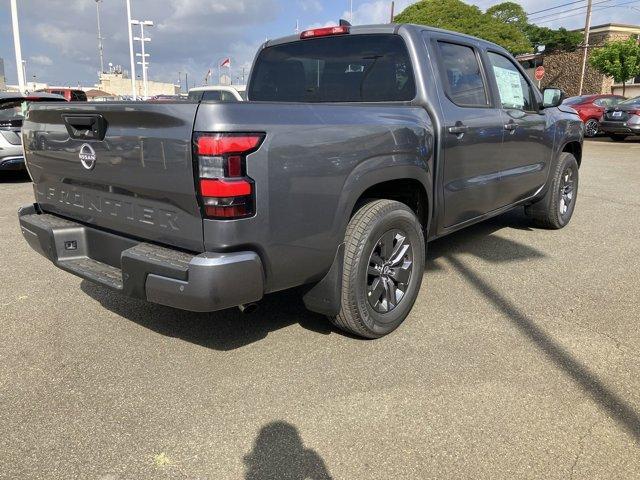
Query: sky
(59, 39)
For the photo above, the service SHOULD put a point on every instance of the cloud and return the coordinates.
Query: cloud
(312, 6)
(41, 60)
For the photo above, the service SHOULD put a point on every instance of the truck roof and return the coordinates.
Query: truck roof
(389, 28)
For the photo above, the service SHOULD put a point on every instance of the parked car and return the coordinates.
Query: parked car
(623, 120)
(357, 145)
(591, 108)
(69, 94)
(216, 93)
(12, 110)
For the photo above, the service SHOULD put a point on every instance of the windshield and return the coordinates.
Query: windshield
(12, 110)
(346, 68)
(631, 101)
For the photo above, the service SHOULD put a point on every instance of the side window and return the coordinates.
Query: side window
(227, 96)
(463, 77)
(515, 91)
(211, 95)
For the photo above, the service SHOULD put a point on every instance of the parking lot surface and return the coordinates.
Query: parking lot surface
(519, 360)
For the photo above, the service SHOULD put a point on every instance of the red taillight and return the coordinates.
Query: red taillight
(221, 144)
(225, 189)
(324, 32)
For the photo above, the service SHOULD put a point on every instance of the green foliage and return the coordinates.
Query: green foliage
(620, 60)
(458, 16)
(553, 40)
(509, 12)
(505, 24)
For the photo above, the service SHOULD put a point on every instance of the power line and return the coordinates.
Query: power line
(569, 10)
(553, 8)
(580, 13)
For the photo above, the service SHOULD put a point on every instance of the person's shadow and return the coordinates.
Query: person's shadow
(278, 453)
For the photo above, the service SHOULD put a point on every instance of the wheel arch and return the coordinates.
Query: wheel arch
(575, 148)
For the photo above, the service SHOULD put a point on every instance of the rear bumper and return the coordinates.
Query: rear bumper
(12, 163)
(200, 283)
(620, 128)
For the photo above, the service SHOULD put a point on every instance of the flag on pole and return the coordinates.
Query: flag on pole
(226, 63)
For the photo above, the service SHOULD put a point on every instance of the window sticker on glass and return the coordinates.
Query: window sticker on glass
(510, 87)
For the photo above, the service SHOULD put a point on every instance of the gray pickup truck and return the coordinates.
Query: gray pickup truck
(357, 145)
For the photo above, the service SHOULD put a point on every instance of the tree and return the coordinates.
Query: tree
(505, 24)
(620, 60)
(458, 16)
(553, 40)
(509, 12)
(513, 13)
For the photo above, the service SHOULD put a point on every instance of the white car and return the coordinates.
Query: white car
(218, 93)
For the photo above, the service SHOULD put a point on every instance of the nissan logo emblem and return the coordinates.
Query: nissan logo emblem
(87, 156)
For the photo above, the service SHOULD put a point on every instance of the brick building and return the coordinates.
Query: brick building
(563, 68)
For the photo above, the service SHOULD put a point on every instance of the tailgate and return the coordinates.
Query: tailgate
(125, 167)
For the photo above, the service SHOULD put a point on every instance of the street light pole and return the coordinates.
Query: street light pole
(133, 60)
(100, 49)
(587, 30)
(144, 55)
(16, 44)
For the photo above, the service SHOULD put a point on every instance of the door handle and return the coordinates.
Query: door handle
(511, 127)
(458, 129)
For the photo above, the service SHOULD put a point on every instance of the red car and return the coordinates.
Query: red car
(591, 108)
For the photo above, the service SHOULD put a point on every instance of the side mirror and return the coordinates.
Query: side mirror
(552, 97)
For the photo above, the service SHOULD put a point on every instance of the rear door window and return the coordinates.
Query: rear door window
(463, 77)
(346, 68)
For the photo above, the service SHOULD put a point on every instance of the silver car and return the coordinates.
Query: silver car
(12, 109)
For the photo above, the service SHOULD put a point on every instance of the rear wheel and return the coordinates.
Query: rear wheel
(591, 128)
(617, 137)
(383, 268)
(556, 208)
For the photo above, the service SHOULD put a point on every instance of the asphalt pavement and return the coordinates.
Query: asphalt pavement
(519, 360)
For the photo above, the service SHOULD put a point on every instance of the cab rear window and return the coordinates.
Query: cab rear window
(346, 68)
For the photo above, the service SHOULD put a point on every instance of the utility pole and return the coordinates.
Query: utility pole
(16, 44)
(351, 12)
(100, 49)
(144, 55)
(587, 30)
(133, 60)
(393, 5)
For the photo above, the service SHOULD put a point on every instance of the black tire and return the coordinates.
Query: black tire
(617, 138)
(379, 229)
(591, 128)
(555, 209)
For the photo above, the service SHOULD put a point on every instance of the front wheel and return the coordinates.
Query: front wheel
(591, 128)
(383, 268)
(555, 209)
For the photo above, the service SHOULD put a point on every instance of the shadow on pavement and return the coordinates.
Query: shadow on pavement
(279, 454)
(478, 240)
(12, 176)
(224, 330)
(230, 329)
(616, 407)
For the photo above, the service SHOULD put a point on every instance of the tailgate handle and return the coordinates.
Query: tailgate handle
(86, 127)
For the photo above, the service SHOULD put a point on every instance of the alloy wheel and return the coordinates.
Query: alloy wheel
(591, 128)
(567, 187)
(389, 271)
